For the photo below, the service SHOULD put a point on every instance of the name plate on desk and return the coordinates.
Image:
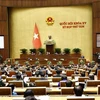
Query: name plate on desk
(18, 98)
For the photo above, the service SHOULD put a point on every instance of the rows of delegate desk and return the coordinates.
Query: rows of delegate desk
(54, 89)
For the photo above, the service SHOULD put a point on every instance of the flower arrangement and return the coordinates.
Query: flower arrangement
(32, 51)
(49, 63)
(71, 63)
(67, 51)
(27, 63)
(58, 50)
(59, 63)
(37, 62)
(76, 50)
(23, 51)
(41, 50)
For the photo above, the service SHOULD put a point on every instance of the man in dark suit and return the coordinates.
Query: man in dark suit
(78, 90)
(58, 73)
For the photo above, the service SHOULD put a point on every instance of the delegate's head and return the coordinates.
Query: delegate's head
(50, 37)
(78, 90)
(64, 77)
(18, 76)
(91, 76)
(28, 92)
(58, 71)
(69, 83)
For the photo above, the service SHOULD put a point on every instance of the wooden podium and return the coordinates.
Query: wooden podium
(50, 44)
(50, 48)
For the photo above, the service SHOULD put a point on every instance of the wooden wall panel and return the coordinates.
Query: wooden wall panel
(38, 3)
(4, 31)
(6, 41)
(3, 13)
(96, 26)
(96, 29)
(96, 9)
(3, 28)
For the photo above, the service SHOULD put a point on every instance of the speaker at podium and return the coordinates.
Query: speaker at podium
(50, 45)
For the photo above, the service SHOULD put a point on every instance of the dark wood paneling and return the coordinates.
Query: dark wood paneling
(3, 28)
(4, 53)
(3, 13)
(6, 43)
(96, 29)
(96, 9)
(96, 25)
(41, 3)
(4, 31)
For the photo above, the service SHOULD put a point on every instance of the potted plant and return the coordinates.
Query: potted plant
(41, 50)
(27, 63)
(49, 63)
(81, 62)
(32, 51)
(58, 50)
(23, 51)
(59, 63)
(37, 62)
(92, 63)
(16, 62)
(76, 50)
(5, 62)
(66, 50)
(71, 63)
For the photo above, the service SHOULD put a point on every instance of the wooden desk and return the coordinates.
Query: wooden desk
(53, 90)
(91, 90)
(56, 90)
(56, 97)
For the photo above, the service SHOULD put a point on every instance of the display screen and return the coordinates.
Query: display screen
(1, 42)
(98, 39)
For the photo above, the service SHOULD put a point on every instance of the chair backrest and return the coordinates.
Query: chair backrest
(44, 83)
(32, 79)
(98, 89)
(98, 75)
(82, 79)
(53, 72)
(56, 79)
(17, 83)
(12, 73)
(69, 72)
(63, 83)
(28, 73)
(1, 72)
(92, 83)
(67, 90)
(3, 76)
(38, 90)
(5, 91)
(80, 98)
(10, 79)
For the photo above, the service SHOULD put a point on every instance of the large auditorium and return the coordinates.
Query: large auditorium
(55, 56)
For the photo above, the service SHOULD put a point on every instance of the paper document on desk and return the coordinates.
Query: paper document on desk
(26, 79)
(18, 98)
(42, 97)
